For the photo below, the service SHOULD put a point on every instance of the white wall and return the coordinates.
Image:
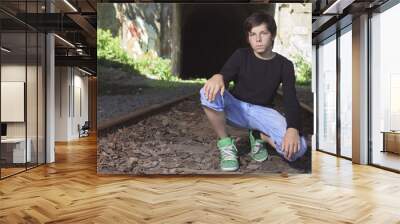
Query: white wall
(62, 80)
(80, 83)
(70, 83)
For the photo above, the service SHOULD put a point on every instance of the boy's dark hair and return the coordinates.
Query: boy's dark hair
(256, 19)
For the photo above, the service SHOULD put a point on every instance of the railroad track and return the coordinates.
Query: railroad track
(174, 137)
(140, 114)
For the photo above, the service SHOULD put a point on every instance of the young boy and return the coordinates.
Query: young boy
(257, 73)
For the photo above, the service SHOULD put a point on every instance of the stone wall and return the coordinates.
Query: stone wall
(151, 28)
(294, 29)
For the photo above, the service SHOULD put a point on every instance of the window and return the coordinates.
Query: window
(346, 92)
(385, 86)
(327, 95)
(22, 80)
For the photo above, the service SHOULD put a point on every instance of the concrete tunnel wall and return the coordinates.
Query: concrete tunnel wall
(210, 33)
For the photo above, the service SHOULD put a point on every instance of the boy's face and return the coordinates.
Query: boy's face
(260, 38)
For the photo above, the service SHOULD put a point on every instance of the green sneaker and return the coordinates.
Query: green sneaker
(228, 150)
(258, 150)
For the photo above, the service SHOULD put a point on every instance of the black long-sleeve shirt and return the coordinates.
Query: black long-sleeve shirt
(257, 80)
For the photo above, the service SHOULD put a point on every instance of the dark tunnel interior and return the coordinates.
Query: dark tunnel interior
(210, 34)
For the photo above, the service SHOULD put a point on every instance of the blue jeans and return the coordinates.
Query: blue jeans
(249, 116)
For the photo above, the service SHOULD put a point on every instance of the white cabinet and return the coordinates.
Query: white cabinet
(18, 149)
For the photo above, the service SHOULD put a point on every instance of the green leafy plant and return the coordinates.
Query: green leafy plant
(155, 67)
(108, 48)
(303, 70)
(109, 52)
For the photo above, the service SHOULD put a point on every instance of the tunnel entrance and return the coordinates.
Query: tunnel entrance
(210, 34)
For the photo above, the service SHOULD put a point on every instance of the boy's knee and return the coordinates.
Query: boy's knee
(202, 91)
(301, 152)
(203, 94)
(217, 104)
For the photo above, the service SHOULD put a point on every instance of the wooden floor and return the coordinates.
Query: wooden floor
(69, 191)
(10, 171)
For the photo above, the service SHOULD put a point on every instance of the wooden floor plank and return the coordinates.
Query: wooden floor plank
(70, 191)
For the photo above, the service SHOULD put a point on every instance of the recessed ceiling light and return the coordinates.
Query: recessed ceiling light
(70, 5)
(337, 7)
(64, 40)
(5, 49)
(86, 72)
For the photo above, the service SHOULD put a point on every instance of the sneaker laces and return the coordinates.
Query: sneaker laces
(257, 146)
(228, 152)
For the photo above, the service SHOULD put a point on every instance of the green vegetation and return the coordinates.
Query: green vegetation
(155, 67)
(303, 70)
(110, 53)
(108, 48)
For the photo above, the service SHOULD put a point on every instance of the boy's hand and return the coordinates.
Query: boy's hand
(213, 85)
(291, 142)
